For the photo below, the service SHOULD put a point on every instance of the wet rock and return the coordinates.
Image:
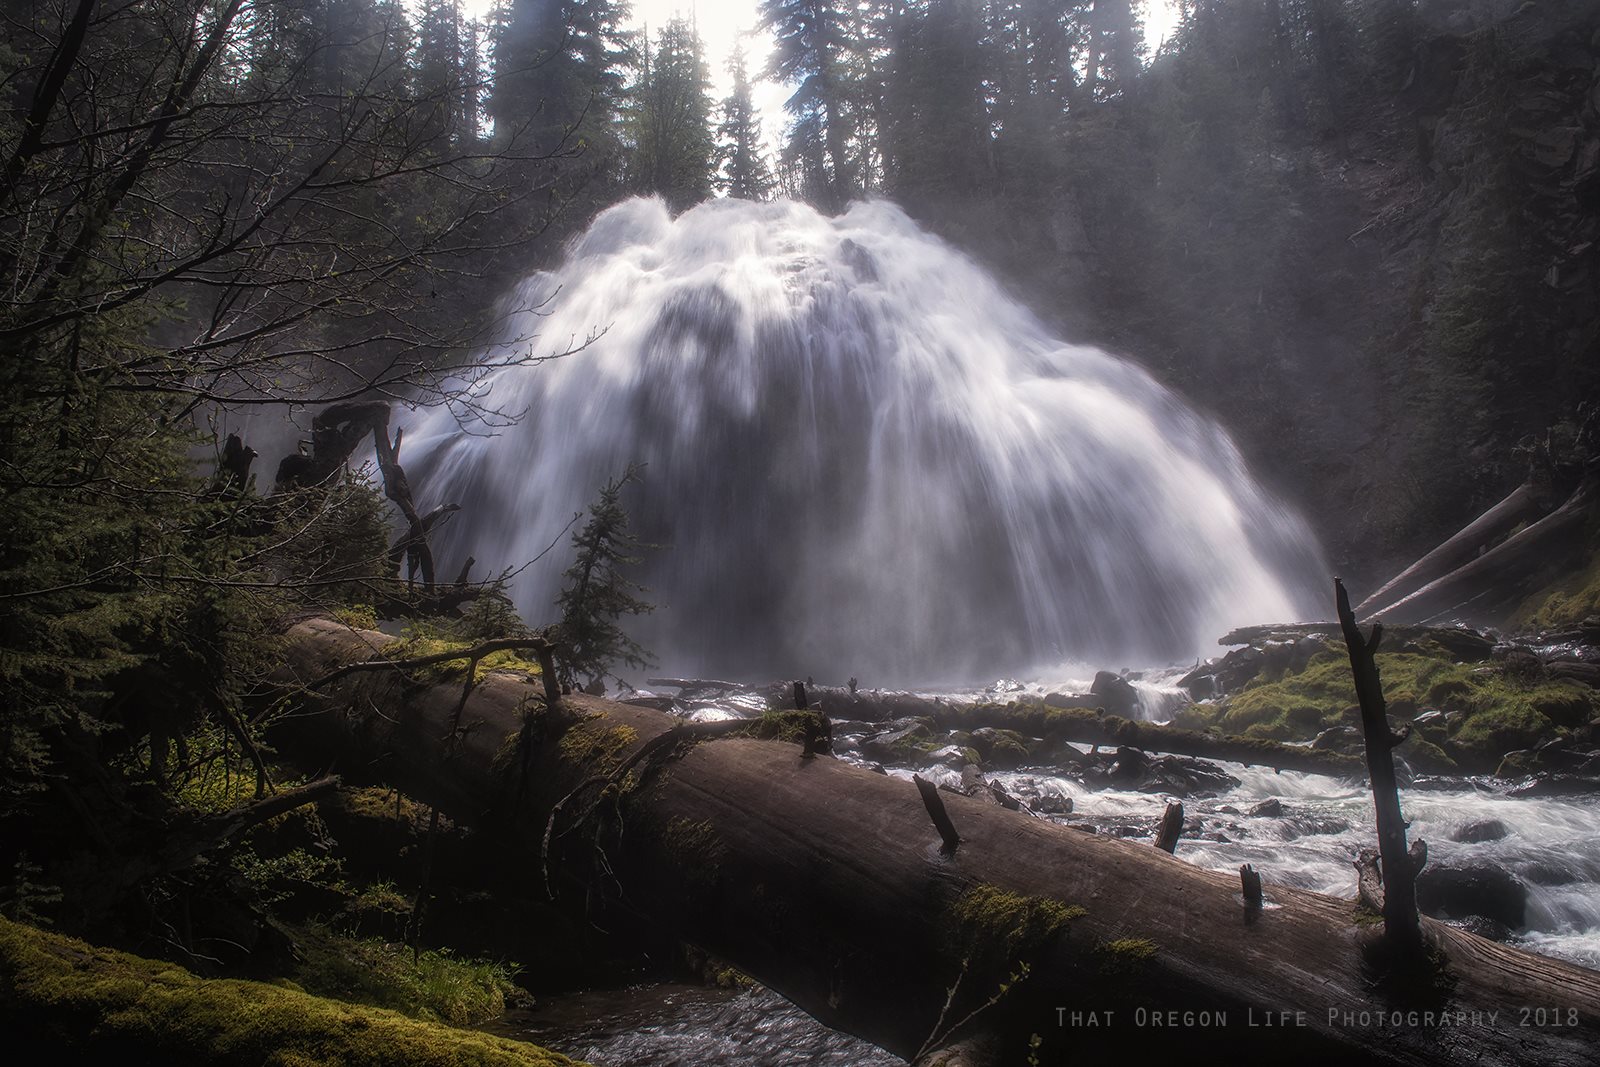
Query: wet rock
(1449, 891)
(896, 745)
(1053, 804)
(1178, 776)
(1000, 749)
(951, 756)
(1130, 766)
(1117, 694)
(1559, 785)
(1475, 833)
(1489, 928)
(1315, 825)
(1071, 700)
(1271, 808)
(1339, 739)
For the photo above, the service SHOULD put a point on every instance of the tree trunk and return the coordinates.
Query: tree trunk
(1496, 581)
(1526, 503)
(829, 884)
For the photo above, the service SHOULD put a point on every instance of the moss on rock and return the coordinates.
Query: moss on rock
(1495, 712)
(84, 1001)
(1564, 603)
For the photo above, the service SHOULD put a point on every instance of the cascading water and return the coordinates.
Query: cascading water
(862, 456)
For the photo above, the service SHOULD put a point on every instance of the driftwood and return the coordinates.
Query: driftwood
(1250, 886)
(827, 883)
(1400, 884)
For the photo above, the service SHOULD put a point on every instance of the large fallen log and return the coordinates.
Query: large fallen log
(1527, 503)
(1489, 585)
(832, 886)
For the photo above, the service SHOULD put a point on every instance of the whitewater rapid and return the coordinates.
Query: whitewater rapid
(863, 457)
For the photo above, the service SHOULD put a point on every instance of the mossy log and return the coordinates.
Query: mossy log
(829, 884)
(1092, 727)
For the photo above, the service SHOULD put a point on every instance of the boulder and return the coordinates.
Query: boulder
(1475, 833)
(1452, 891)
(1117, 694)
(1271, 808)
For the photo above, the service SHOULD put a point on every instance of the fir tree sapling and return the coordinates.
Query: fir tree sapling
(598, 593)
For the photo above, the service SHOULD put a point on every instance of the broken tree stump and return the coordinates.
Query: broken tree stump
(1170, 829)
(1400, 883)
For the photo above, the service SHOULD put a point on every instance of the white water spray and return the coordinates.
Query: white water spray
(864, 458)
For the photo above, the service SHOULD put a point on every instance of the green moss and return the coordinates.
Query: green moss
(695, 841)
(791, 726)
(1426, 756)
(597, 745)
(988, 917)
(1490, 732)
(416, 646)
(357, 616)
(83, 1001)
(1562, 604)
(375, 802)
(435, 985)
(1125, 955)
(1501, 712)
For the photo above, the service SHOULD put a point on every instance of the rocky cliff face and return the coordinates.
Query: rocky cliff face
(1382, 276)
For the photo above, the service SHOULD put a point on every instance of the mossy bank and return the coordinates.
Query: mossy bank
(80, 1001)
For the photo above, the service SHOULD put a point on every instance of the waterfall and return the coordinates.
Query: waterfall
(862, 458)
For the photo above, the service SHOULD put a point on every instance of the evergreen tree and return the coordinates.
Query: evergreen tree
(598, 593)
(1115, 44)
(744, 174)
(814, 43)
(558, 75)
(943, 135)
(442, 77)
(674, 153)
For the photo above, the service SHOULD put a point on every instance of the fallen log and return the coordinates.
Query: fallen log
(1091, 727)
(1500, 578)
(1526, 503)
(830, 884)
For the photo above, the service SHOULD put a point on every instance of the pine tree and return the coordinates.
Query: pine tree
(557, 74)
(598, 594)
(674, 153)
(814, 43)
(745, 175)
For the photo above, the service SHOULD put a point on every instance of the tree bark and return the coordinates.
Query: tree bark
(1490, 584)
(1526, 503)
(828, 883)
(1400, 881)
